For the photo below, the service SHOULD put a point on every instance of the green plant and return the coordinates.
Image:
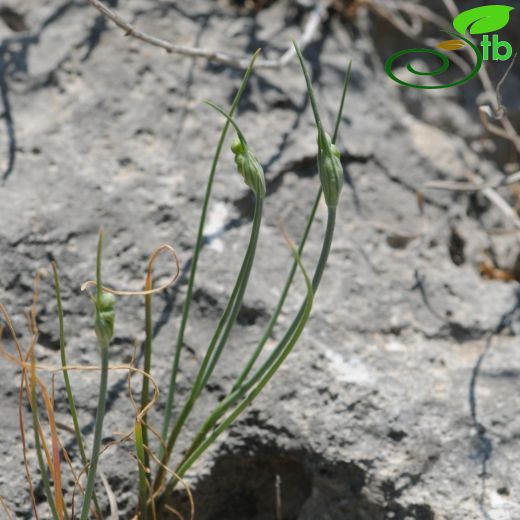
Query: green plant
(154, 490)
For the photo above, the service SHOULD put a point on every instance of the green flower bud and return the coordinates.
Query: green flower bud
(237, 147)
(105, 318)
(330, 169)
(239, 161)
(249, 167)
(247, 164)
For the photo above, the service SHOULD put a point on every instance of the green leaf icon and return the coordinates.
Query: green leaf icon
(481, 20)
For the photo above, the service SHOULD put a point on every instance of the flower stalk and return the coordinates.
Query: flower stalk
(104, 328)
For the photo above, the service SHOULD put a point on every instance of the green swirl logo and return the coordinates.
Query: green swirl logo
(476, 21)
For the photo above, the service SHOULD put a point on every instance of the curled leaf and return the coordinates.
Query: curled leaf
(451, 45)
(151, 261)
(484, 19)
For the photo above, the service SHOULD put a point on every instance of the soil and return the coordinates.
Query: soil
(401, 399)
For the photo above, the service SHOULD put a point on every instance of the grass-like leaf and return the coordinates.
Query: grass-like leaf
(66, 378)
(102, 330)
(196, 253)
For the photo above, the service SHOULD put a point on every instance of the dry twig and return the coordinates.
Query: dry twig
(114, 511)
(472, 186)
(488, 190)
(495, 198)
(501, 110)
(318, 14)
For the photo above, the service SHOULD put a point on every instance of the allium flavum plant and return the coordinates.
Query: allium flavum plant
(157, 477)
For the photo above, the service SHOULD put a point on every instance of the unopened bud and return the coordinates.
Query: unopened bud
(249, 167)
(330, 168)
(105, 318)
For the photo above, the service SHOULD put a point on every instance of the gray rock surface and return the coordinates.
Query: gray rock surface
(401, 399)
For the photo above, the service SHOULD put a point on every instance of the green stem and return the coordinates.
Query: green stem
(316, 279)
(143, 479)
(243, 280)
(238, 392)
(306, 310)
(68, 387)
(143, 457)
(145, 398)
(274, 318)
(96, 448)
(100, 413)
(223, 328)
(274, 361)
(196, 252)
(239, 389)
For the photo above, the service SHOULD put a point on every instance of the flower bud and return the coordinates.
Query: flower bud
(105, 317)
(236, 146)
(330, 169)
(249, 167)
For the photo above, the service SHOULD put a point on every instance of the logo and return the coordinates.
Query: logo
(478, 21)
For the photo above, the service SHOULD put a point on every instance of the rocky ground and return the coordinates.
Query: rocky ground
(401, 399)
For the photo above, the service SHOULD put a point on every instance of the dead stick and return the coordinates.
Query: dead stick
(318, 14)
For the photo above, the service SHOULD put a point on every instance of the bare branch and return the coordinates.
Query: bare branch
(472, 186)
(501, 109)
(319, 13)
(394, 17)
(496, 199)
(114, 511)
(488, 189)
(511, 135)
(452, 8)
